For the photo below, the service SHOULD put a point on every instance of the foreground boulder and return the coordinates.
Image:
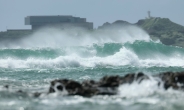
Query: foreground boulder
(172, 80)
(108, 85)
(70, 87)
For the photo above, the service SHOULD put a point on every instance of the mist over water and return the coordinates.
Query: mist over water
(55, 38)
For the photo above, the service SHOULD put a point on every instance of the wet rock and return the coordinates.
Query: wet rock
(6, 86)
(179, 77)
(130, 78)
(20, 91)
(66, 86)
(115, 81)
(89, 83)
(36, 94)
(110, 81)
(173, 80)
(88, 92)
(107, 85)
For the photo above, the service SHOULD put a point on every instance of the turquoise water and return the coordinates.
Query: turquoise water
(30, 64)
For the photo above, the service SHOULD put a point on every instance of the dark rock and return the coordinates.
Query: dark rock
(108, 85)
(89, 83)
(6, 86)
(37, 94)
(20, 91)
(88, 92)
(72, 87)
(174, 80)
(110, 81)
(130, 78)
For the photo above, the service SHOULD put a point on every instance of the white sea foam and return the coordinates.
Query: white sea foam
(144, 89)
(75, 59)
(123, 57)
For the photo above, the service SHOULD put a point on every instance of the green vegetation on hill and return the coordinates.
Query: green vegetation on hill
(114, 24)
(167, 31)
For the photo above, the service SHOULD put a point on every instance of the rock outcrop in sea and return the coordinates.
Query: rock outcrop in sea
(108, 85)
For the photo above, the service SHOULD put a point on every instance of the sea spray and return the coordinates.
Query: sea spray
(52, 37)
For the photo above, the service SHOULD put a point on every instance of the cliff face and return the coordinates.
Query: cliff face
(167, 31)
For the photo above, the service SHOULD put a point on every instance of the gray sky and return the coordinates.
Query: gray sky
(13, 12)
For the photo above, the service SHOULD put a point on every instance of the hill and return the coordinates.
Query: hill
(167, 31)
(114, 24)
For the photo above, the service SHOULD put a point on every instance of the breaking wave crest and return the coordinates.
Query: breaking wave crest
(139, 53)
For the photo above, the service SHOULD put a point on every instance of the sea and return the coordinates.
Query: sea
(29, 64)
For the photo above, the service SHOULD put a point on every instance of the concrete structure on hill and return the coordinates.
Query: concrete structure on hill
(149, 15)
(18, 30)
(38, 22)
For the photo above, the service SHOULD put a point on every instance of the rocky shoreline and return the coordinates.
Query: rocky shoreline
(108, 85)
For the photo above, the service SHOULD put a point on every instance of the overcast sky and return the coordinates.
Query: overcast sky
(13, 12)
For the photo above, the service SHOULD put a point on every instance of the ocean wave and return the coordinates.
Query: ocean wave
(121, 55)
